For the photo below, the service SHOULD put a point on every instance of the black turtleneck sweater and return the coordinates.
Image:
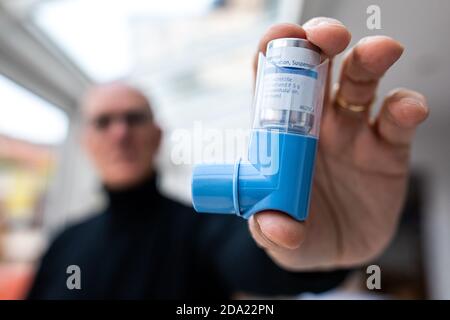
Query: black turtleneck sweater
(147, 246)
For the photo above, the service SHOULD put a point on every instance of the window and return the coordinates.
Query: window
(26, 116)
(30, 132)
(192, 58)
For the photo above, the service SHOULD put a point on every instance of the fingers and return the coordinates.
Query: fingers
(331, 36)
(402, 111)
(363, 67)
(274, 230)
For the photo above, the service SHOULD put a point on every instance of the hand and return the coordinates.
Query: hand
(362, 168)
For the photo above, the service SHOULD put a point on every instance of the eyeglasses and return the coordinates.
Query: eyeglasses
(130, 118)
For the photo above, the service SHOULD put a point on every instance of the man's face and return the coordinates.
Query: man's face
(120, 135)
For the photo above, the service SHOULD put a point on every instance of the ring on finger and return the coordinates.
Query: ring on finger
(341, 102)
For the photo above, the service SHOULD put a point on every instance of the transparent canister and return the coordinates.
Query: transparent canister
(289, 87)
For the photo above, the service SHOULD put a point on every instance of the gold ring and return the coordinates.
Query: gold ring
(341, 102)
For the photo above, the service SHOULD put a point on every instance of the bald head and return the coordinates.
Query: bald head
(110, 94)
(119, 135)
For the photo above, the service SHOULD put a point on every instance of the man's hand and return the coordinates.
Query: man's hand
(362, 163)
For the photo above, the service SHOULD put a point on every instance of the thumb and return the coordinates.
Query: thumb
(274, 230)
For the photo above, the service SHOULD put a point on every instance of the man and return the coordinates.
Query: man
(147, 246)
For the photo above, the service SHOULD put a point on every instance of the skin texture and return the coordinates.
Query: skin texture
(123, 155)
(362, 163)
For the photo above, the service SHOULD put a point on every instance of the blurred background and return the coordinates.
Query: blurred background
(194, 61)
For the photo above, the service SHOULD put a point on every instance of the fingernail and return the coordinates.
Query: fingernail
(372, 38)
(321, 21)
(263, 235)
(408, 97)
(413, 102)
(377, 38)
(402, 111)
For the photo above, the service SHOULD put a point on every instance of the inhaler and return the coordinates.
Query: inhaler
(278, 172)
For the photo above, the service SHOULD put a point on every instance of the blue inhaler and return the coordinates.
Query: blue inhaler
(279, 170)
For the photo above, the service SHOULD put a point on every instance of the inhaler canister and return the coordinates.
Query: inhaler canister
(289, 83)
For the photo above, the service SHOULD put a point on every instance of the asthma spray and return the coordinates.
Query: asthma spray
(278, 172)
